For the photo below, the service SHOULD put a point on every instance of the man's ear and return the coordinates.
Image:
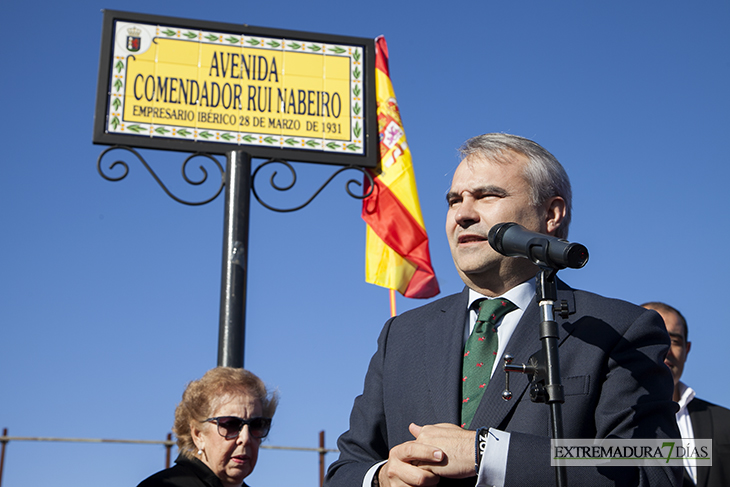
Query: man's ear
(555, 213)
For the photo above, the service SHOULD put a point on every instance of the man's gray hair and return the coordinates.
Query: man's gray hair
(545, 175)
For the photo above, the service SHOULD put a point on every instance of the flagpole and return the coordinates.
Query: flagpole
(392, 302)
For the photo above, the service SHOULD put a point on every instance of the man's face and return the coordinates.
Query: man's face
(484, 193)
(679, 347)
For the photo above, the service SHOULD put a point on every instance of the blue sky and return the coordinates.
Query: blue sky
(109, 292)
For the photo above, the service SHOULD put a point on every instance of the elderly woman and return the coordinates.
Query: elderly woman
(219, 425)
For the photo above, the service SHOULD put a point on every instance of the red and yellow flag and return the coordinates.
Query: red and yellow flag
(397, 255)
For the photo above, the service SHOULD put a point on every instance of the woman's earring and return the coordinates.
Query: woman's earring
(200, 452)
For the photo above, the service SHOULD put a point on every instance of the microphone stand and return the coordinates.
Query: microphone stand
(544, 366)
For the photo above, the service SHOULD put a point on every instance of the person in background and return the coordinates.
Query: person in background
(424, 397)
(696, 418)
(219, 425)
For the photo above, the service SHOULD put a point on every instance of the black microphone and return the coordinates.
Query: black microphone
(513, 240)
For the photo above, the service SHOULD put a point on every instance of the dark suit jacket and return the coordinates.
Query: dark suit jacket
(712, 421)
(611, 362)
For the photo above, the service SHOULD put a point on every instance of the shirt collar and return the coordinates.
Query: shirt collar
(686, 394)
(521, 295)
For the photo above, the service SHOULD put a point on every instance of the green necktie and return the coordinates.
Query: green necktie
(479, 354)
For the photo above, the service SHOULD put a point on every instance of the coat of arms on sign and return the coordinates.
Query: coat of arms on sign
(134, 41)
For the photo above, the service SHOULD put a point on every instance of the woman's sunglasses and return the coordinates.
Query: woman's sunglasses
(229, 427)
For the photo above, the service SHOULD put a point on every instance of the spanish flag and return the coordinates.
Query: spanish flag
(397, 255)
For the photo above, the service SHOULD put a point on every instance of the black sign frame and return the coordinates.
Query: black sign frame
(102, 136)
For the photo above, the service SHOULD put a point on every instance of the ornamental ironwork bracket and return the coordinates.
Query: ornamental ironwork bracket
(289, 186)
(204, 178)
(184, 169)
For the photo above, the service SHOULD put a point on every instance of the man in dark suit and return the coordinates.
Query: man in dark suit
(696, 418)
(411, 426)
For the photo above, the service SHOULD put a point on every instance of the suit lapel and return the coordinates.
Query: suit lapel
(442, 357)
(525, 341)
(701, 419)
(701, 428)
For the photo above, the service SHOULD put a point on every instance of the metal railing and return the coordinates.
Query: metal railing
(168, 443)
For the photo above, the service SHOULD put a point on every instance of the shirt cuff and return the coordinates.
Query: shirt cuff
(370, 474)
(493, 467)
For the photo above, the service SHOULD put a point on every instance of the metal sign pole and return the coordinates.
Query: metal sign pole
(239, 183)
(232, 329)
(336, 124)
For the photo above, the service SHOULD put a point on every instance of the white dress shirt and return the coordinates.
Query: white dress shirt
(493, 467)
(686, 394)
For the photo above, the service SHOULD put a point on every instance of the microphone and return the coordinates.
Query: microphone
(513, 240)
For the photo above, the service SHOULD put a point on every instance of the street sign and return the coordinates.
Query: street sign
(195, 86)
